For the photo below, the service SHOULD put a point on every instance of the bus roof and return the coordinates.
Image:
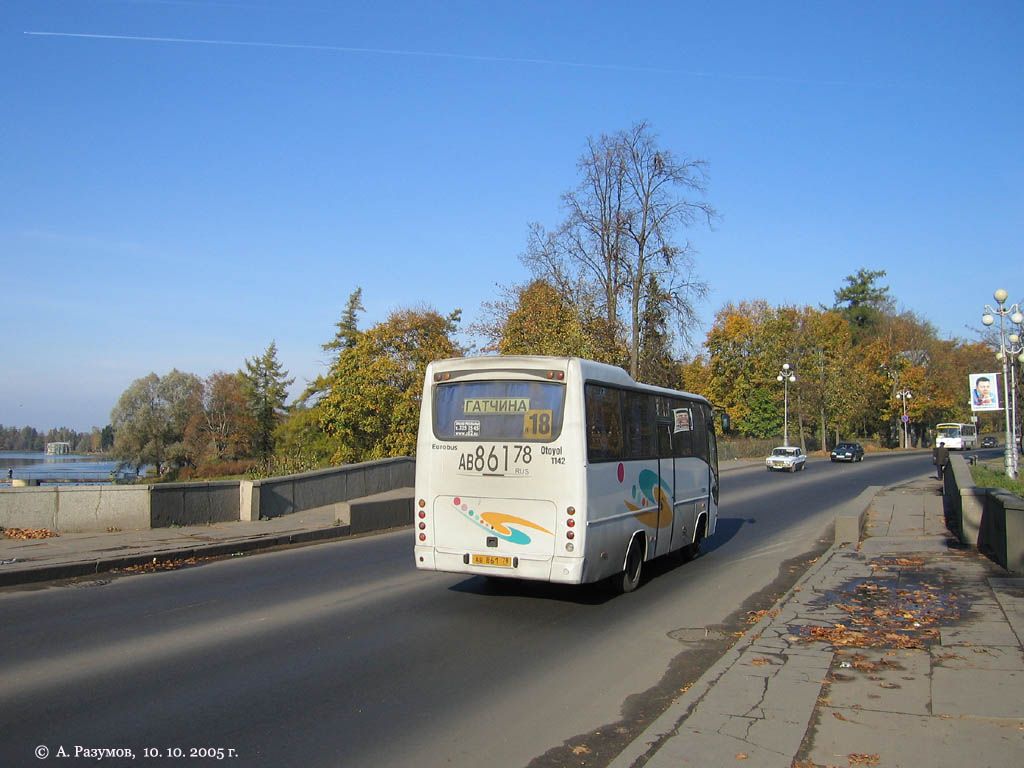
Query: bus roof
(590, 370)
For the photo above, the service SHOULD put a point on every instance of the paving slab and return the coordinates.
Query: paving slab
(893, 739)
(1009, 592)
(881, 680)
(978, 692)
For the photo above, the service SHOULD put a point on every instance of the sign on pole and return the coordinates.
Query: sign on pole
(984, 392)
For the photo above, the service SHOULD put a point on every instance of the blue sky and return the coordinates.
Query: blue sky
(184, 181)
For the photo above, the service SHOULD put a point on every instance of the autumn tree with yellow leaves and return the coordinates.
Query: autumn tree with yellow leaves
(372, 403)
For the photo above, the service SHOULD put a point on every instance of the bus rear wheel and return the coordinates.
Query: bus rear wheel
(630, 578)
(690, 551)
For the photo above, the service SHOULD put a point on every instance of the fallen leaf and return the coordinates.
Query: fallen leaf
(859, 758)
(580, 750)
(742, 756)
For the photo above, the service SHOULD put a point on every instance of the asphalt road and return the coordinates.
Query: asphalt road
(342, 654)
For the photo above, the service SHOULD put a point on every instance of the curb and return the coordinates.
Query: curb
(92, 567)
(666, 726)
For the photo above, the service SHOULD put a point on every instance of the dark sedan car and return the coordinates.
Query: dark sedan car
(848, 452)
(988, 442)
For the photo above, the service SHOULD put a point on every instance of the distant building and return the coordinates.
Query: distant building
(58, 449)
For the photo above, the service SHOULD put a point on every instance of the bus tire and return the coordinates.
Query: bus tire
(630, 577)
(690, 551)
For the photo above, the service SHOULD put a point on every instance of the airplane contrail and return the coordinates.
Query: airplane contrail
(463, 57)
(349, 49)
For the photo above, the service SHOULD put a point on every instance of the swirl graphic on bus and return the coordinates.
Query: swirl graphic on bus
(650, 488)
(498, 523)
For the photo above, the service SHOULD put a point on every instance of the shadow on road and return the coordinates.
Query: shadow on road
(726, 529)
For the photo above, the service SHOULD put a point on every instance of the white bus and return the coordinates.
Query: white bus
(957, 437)
(559, 469)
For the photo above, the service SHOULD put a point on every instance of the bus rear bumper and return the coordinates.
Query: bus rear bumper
(562, 570)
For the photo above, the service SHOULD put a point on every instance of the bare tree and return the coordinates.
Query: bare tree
(620, 231)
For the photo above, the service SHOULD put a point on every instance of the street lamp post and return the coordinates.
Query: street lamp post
(1014, 354)
(786, 375)
(904, 394)
(1009, 371)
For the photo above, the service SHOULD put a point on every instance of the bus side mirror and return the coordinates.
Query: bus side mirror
(726, 423)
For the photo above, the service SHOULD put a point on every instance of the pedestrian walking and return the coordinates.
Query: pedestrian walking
(941, 459)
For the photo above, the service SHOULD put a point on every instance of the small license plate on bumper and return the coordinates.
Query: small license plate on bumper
(496, 560)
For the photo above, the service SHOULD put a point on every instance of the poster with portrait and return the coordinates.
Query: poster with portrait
(683, 419)
(984, 392)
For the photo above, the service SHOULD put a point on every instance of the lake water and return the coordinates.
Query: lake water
(55, 469)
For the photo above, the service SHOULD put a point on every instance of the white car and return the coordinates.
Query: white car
(786, 457)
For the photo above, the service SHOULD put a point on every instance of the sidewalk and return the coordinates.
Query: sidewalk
(899, 651)
(79, 554)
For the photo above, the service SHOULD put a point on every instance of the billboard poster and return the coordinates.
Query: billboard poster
(984, 392)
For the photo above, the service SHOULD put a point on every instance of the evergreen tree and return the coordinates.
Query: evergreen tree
(863, 302)
(266, 390)
(348, 326)
(656, 364)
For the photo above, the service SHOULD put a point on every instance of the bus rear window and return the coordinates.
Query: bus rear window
(499, 410)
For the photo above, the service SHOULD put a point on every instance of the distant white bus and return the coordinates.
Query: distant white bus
(559, 469)
(956, 437)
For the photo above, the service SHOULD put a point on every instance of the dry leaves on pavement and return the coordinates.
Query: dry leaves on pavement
(887, 617)
(158, 565)
(27, 533)
(859, 758)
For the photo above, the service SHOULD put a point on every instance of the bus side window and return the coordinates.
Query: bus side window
(682, 441)
(701, 424)
(641, 442)
(665, 447)
(604, 423)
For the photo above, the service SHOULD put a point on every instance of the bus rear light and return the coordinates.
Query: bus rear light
(569, 547)
(556, 375)
(570, 534)
(571, 523)
(421, 503)
(423, 537)
(442, 376)
(423, 526)
(571, 511)
(422, 514)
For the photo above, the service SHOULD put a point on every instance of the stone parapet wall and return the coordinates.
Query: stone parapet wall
(76, 509)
